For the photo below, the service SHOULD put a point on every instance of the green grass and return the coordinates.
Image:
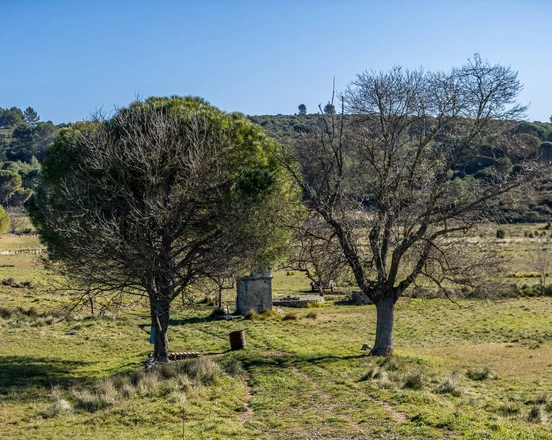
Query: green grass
(481, 370)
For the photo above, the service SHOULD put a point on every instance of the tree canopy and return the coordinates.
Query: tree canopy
(166, 192)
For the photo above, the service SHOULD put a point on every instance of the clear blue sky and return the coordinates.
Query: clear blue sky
(69, 58)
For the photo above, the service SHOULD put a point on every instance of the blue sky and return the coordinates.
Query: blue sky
(68, 58)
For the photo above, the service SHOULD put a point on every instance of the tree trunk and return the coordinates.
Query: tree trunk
(383, 346)
(160, 321)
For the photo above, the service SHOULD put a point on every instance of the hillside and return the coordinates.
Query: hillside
(536, 205)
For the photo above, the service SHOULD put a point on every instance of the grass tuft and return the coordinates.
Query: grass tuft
(414, 380)
(483, 374)
(449, 386)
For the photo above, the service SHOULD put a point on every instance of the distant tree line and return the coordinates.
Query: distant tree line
(24, 139)
(537, 136)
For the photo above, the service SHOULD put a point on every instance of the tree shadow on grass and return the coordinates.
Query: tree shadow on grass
(286, 360)
(185, 321)
(21, 373)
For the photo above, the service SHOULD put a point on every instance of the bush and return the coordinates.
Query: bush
(536, 414)
(414, 380)
(290, 317)
(59, 407)
(5, 313)
(312, 315)
(500, 233)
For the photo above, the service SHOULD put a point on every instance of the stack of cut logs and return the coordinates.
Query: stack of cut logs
(180, 355)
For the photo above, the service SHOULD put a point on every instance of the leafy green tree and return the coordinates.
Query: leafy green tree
(29, 172)
(22, 143)
(30, 116)
(10, 182)
(11, 117)
(167, 192)
(4, 220)
(302, 109)
(544, 152)
(329, 109)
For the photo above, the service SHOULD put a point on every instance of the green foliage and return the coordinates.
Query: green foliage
(500, 233)
(9, 118)
(9, 183)
(31, 116)
(4, 220)
(302, 109)
(329, 109)
(545, 151)
(167, 192)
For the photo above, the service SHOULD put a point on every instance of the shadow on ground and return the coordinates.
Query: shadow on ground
(18, 373)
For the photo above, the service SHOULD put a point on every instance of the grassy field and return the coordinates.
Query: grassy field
(477, 370)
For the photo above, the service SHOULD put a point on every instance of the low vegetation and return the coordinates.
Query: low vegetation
(473, 370)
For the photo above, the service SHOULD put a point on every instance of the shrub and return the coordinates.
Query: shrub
(500, 233)
(59, 407)
(536, 415)
(483, 374)
(414, 380)
(290, 317)
(312, 315)
(5, 313)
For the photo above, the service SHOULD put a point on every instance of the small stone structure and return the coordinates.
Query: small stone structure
(254, 292)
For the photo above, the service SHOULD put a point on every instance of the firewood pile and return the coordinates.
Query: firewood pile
(181, 355)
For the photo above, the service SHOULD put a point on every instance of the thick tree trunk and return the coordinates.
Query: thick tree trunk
(160, 322)
(385, 308)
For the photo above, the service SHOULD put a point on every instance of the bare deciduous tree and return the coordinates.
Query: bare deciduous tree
(391, 177)
(316, 252)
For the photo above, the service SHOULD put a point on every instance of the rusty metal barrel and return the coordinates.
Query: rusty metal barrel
(237, 340)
